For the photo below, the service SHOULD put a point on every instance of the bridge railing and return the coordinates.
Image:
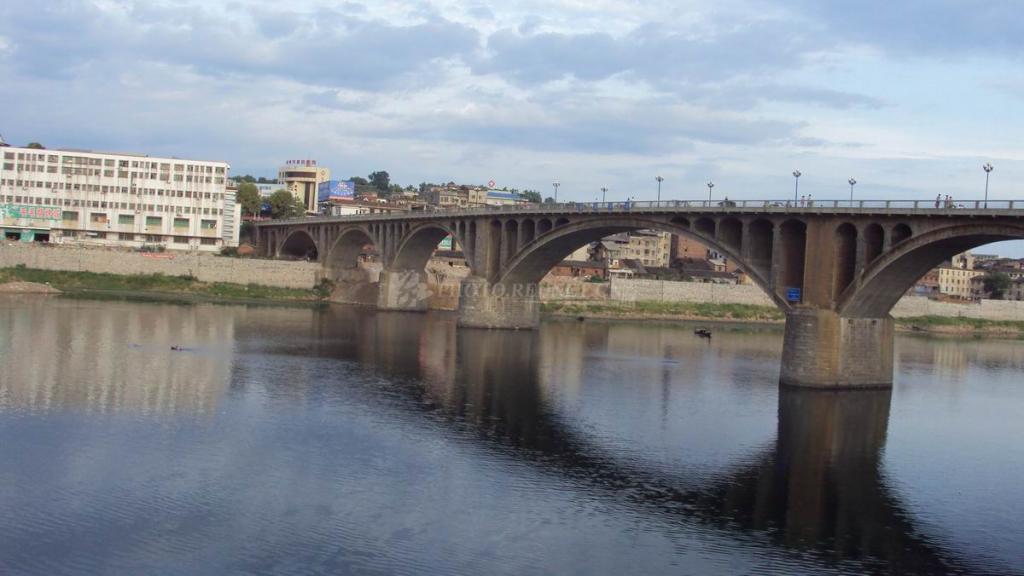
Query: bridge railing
(789, 205)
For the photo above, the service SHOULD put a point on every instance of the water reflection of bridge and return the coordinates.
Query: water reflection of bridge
(819, 488)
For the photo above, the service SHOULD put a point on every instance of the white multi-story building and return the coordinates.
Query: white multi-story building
(117, 199)
(955, 281)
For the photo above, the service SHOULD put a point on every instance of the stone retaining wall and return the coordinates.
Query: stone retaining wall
(205, 267)
(909, 306)
(665, 291)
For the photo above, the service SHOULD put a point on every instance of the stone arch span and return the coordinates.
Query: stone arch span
(418, 245)
(531, 264)
(887, 278)
(353, 284)
(299, 244)
(348, 248)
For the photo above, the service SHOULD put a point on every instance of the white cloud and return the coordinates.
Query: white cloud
(593, 93)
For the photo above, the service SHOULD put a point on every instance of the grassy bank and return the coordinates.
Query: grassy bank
(960, 325)
(706, 311)
(158, 284)
(665, 311)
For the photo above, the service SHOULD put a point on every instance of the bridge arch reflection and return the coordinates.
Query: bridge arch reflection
(817, 487)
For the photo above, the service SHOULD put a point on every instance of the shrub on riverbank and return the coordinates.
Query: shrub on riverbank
(156, 283)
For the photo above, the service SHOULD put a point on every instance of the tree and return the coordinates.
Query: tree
(36, 146)
(549, 200)
(532, 196)
(284, 205)
(381, 180)
(249, 198)
(996, 284)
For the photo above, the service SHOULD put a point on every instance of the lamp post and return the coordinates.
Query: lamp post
(988, 170)
(660, 180)
(710, 186)
(555, 185)
(852, 182)
(604, 190)
(796, 184)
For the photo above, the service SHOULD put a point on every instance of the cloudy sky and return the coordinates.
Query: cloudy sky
(908, 97)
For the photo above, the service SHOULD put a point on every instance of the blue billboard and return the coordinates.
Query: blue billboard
(336, 189)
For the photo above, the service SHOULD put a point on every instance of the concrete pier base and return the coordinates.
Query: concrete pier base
(486, 305)
(824, 350)
(354, 286)
(403, 290)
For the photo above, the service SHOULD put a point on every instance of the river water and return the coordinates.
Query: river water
(343, 441)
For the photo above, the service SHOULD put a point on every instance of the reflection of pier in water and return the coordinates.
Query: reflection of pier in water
(819, 488)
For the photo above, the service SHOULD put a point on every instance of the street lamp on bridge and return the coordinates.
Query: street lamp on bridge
(604, 190)
(796, 185)
(710, 186)
(988, 170)
(660, 180)
(555, 185)
(852, 181)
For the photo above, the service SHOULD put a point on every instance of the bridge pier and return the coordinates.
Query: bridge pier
(509, 306)
(354, 286)
(403, 290)
(822, 349)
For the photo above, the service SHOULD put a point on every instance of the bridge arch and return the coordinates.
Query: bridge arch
(347, 249)
(886, 279)
(730, 233)
(844, 257)
(874, 242)
(301, 245)
(535, 260)
(900, 232)
(418, 245)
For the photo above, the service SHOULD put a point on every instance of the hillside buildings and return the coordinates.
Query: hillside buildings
(453, 196)
(116, 199)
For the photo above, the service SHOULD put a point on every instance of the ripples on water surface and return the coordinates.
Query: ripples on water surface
(294, 441)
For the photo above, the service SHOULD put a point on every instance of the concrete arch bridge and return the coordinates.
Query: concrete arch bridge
(835, 268)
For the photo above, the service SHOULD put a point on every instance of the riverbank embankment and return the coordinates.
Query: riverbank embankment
(22, 280)
(193, 276)
(767, 315)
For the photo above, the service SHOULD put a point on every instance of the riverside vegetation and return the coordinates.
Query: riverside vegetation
(90, 283)
(749, 313)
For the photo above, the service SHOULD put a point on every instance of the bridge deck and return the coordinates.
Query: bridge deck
(888, 208)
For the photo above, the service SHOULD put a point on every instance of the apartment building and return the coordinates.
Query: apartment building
(116, 199)
(650, 248)
(454, 196)
(956, 282)
(303, 178)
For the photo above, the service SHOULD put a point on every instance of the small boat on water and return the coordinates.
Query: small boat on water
(702, 332)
